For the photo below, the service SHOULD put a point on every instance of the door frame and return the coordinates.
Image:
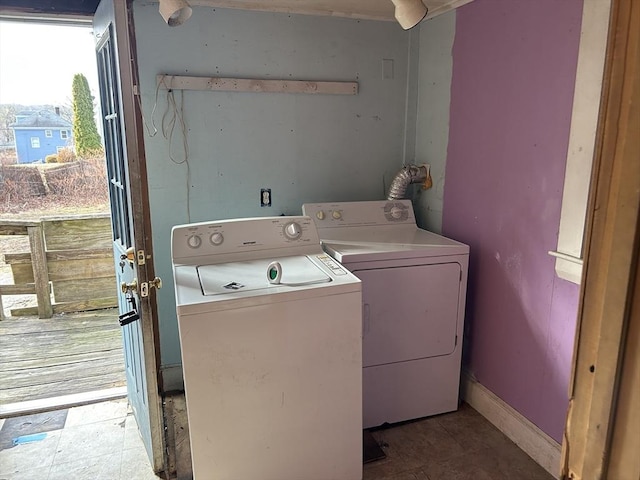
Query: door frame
(123, 31)
(609, 279)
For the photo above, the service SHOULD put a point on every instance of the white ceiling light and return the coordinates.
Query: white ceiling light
(409, 13)
(175, 12)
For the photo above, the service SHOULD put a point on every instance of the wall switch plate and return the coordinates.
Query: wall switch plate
(265, 197)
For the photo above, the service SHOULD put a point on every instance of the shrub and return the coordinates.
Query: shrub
(53, 158)
(66, 155)
(8, 156)
(20, 184)
(74, 185)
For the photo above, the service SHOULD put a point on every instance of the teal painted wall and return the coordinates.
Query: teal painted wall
(435, 62)
(306, 148)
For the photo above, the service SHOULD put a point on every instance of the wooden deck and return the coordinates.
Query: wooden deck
(64, 355)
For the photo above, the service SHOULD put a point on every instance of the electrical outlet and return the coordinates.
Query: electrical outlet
(265, 197)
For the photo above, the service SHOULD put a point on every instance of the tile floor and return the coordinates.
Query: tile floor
(98, 441)
(461, 445)
(101, 441)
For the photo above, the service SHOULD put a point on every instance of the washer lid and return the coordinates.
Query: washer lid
(225, 278)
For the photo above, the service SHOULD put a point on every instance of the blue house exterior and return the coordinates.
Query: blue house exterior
(40, 133)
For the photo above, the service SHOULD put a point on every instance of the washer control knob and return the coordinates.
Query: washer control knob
(216, 239)
(396, 212)
(194, 241)
(292, 231)
(337, 214)
(320, 215)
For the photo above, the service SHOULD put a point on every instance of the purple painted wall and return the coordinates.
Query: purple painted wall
(514, 66)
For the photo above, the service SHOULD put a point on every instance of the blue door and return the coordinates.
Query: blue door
(124, 153)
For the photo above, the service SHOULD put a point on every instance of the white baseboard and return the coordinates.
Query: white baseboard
(533, 441)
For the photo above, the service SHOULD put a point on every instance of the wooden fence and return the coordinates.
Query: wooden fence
(71, 257)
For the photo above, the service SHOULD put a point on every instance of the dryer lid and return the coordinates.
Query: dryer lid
(347, 245)
(225, 278)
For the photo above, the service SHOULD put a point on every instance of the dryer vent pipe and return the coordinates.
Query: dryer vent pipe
(406, 176)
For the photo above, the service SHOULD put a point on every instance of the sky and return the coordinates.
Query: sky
(38, 62)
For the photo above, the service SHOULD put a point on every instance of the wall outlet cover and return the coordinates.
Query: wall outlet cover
(265, 197)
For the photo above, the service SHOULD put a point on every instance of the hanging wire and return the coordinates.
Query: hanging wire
(173, 114)
(153, 112)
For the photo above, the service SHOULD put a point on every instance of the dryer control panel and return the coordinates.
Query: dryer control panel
(360, 214)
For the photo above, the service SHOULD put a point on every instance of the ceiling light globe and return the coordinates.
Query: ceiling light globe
(409, 13)
(175, 12)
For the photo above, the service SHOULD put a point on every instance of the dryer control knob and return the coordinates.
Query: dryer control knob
(216, 239)
(396, 212)
(194, 241)
(337, 214)
(320, 215)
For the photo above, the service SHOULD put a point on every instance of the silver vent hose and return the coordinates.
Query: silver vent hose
(406, 176)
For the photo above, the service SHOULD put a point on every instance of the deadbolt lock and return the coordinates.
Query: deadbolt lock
(129, 255)
(129, 287)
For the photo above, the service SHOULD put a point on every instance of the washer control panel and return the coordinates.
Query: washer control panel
(292, 230)
(353, 214)
(242, 235)
(332, 265)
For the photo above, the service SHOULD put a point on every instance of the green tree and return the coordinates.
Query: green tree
(85, 132)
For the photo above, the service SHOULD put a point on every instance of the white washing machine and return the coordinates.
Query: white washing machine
(270, 331)
(413, 287)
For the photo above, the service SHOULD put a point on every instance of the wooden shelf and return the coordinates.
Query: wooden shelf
(255, 85)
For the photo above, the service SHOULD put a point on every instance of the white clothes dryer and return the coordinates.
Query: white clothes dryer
(414, 287)
(270, 331)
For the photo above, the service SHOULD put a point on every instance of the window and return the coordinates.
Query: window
(35, 142)
(584, 126)
(64, 134)
(48, 133)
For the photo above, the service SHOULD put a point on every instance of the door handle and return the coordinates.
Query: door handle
(145, 286)
(129, 287)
